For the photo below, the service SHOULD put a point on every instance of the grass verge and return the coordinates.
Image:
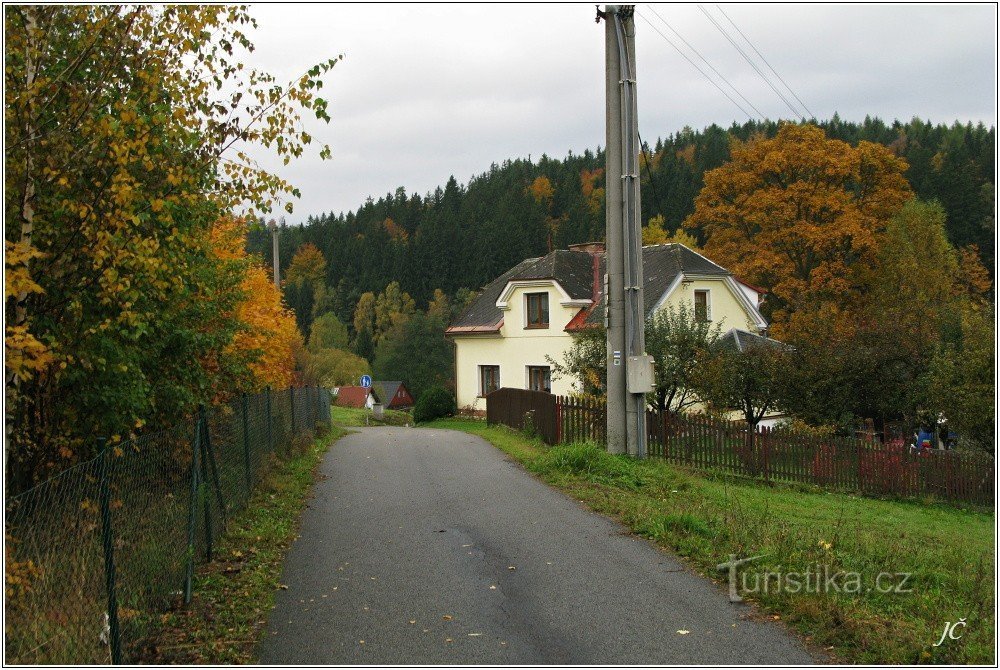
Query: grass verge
(947, 552)
(234, 593)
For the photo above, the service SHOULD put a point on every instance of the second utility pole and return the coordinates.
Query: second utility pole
(629, 369)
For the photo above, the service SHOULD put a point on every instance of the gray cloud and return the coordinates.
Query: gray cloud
(427, 91)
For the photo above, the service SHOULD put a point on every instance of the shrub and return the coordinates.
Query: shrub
(433, 403)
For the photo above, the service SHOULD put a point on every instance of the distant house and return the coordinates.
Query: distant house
(531, 312)
(354, 396)
(394, 395)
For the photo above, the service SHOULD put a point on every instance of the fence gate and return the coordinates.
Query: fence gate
(511, 407)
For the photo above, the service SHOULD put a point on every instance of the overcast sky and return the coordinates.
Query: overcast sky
(427, 91)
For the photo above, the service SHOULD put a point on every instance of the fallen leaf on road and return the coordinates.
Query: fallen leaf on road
(447, 617)
(683, 632)
(448, 639)
(361, 641)
(283, 586)
(413, 621)
(511, 567)
(776, 617)
(493, 588)
(474, 634)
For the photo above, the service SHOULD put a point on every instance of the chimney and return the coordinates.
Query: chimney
(588, 247)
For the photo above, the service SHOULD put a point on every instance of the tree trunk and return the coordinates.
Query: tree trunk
(11, 382)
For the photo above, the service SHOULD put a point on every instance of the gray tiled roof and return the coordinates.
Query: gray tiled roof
(661, 263)
(574, 272)
(741, 340)
(387, 390)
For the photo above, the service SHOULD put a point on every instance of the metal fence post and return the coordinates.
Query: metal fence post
(209, 456)
(202, 493)
(246, 446)
(319, 404)
(270, 434)
(312, 409)
(192, 511)
(291, 394)
(110, 577)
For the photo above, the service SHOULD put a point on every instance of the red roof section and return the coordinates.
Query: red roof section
(352, 396)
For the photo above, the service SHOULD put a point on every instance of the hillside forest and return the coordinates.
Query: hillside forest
(390, 274)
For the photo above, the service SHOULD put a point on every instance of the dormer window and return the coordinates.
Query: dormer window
(537, 310)
(702, 308)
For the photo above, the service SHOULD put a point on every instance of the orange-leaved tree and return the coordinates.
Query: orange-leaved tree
(798, 214)
(267, 339)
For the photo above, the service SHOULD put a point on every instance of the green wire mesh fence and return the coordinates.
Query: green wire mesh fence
(96, 555)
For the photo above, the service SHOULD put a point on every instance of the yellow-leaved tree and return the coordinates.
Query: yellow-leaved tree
(129, 131)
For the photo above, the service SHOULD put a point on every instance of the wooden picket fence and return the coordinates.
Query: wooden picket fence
(861, 464)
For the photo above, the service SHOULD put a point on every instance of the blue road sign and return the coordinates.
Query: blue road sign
(366, 381)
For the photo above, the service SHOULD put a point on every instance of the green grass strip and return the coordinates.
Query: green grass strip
(235, 592)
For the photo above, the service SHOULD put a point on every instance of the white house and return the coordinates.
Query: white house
(532, 310)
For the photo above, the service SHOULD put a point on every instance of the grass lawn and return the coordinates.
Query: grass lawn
(234, 593)
(947, 552)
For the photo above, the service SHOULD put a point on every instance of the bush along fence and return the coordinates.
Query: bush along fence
(97, 554)
(771, 454)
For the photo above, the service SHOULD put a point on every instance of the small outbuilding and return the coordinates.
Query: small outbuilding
(394, 395)
(355, 396)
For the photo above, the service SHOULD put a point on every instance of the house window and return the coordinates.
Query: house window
(489, 379)
(537, 305)
(702, 311)
(539, 378)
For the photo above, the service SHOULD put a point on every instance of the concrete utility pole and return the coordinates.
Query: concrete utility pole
(274, 241)
(630, 371)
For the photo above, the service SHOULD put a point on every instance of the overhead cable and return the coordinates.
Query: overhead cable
(695, 66)
(757, 51)
(705, 60)
(747, 58)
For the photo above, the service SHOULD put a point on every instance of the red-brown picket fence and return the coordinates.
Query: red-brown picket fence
(772, 454)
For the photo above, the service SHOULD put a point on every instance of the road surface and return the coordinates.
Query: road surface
(427, 546)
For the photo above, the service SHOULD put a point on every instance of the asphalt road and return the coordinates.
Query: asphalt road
(425, 546)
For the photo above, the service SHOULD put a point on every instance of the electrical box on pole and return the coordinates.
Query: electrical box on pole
(630, 371)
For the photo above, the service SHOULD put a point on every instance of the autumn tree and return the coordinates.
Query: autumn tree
(305, 285)
(307, 266)
(439, 306)
(328, 333)
(332, 367)
(364, 313)
(127, 130)
(393, 307)
(798, 214)
(654, 233)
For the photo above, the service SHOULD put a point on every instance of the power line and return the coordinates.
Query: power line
(695, 65)
(649, 172)
(705, 60)
(748, 60)
(757, 51)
